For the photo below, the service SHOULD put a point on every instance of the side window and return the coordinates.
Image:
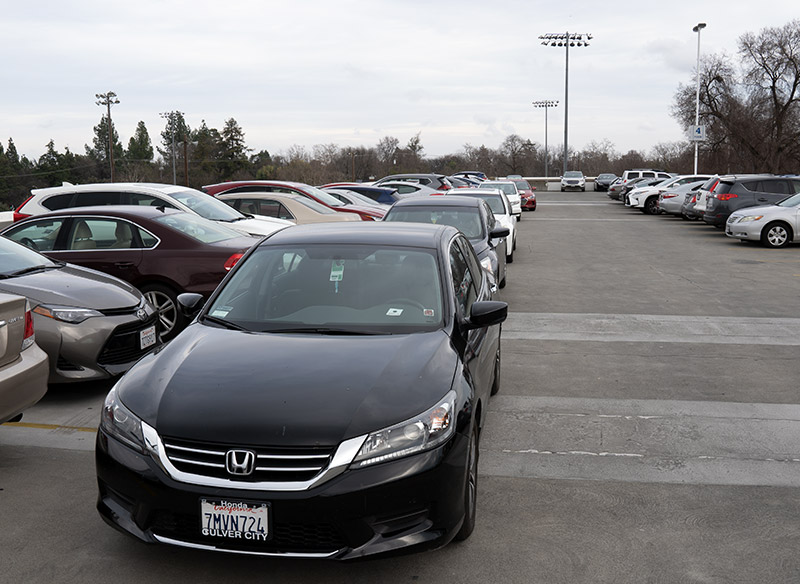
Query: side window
(649, 174)
(463, 283)
(91, 199)
(249, 189)
(148, 239)
(99, 234)
(246, 205)
(58, 202)
(779, 187)
(795, 186)
(40, 236)
(478, 273)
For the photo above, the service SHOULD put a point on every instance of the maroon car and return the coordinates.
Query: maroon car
(277, 186)
(163, 252)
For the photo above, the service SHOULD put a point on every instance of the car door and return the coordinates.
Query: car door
(470, 285)
(105, 244)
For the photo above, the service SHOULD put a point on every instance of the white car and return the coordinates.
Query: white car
(646, 198)
(511, 191)
(501, 209)
(573, 180)
(773, 225)
(172, 196)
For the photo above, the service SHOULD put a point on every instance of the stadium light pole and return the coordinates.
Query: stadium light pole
(700, 26)
(109, 99)
(566, 40)
(545, 103)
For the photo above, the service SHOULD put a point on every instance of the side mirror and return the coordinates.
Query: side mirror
(487, 313)
(499, 232)
(190, 303)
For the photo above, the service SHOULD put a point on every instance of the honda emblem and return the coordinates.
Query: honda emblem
(240, 462)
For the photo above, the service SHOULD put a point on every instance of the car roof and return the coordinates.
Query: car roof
(440, 201)
(131, 212)
(116, 187)
(390, 234)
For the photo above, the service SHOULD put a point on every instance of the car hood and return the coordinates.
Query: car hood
(219, 385)
(74, 286)
(766, 210)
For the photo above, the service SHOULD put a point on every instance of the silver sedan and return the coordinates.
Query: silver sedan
(773, 225)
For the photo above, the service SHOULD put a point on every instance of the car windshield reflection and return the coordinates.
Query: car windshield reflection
(344, 289)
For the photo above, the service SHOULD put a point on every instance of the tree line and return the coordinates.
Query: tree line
(749, 107)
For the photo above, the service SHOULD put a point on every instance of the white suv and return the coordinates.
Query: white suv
(646, 198)
(193, 201)
(573, 180)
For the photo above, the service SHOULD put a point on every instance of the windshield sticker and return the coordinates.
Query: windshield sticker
(337, 270)
(428, 312)
(394, 312)
(221, 311)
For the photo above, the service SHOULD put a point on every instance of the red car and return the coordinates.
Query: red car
(526, 194)
(276, 186)
(163, 252)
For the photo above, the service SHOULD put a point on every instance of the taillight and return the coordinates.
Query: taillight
(694, 199)
(29, 337)
(726, 196)
(20, 216)
(367, 218)
(232, 260)
(668, 195)
(445, 187)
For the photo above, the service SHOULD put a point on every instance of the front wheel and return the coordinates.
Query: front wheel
(165, 301)
(470, 487)
(776, 235)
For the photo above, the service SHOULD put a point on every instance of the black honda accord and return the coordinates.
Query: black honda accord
(326, 402)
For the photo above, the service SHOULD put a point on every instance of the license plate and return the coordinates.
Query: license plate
(234, 520)
(147, 337)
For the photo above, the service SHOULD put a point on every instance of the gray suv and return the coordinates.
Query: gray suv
(736, 192)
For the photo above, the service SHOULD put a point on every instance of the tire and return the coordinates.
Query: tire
(776, 235)
(583, 190)
(165, 300)
(510, 257)
(496, 381)
(470, 487)
(651, 206)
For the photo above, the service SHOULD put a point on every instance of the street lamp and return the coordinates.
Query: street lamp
(172, 117)
(566, 40)
(109, 99)
(700, 26)
(545, 103)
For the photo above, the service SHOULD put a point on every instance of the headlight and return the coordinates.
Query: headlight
(487, 265)
(750, 218)
(66, 313)
(120, 422)
(422, 432)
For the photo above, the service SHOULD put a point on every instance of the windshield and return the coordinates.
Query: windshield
(326, 198)
(495, 202)
(207, 206)
(792, 201)
(573, 174)
(507, 188)
(15, 257)
(198, 228)
(522, 185)
(364, 289)
(467, 219)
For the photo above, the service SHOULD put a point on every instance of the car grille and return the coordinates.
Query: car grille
(123, 344)
(285, 537)
(271, 464)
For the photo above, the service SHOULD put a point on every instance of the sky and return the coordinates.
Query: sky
(350, 72)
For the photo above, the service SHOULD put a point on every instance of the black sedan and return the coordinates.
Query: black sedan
(256, 431)
(471, 215)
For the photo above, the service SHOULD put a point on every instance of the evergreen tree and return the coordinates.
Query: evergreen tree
(139, 147)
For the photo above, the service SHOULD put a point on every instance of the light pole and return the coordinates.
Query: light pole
(545, 103)
(700, 26)
(566, 40)
(109, 99)
(172, 117)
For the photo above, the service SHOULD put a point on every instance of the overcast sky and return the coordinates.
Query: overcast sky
(350, 72)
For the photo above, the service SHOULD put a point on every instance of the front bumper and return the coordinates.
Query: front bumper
(750, 230)
(415, 502)
(573, 187)
(97, 348)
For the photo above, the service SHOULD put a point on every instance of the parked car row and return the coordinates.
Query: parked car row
(749, 207)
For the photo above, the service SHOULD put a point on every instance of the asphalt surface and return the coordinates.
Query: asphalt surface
(647, 429)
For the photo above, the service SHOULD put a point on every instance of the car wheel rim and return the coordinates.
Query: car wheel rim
(166, 309)
(777, 236)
